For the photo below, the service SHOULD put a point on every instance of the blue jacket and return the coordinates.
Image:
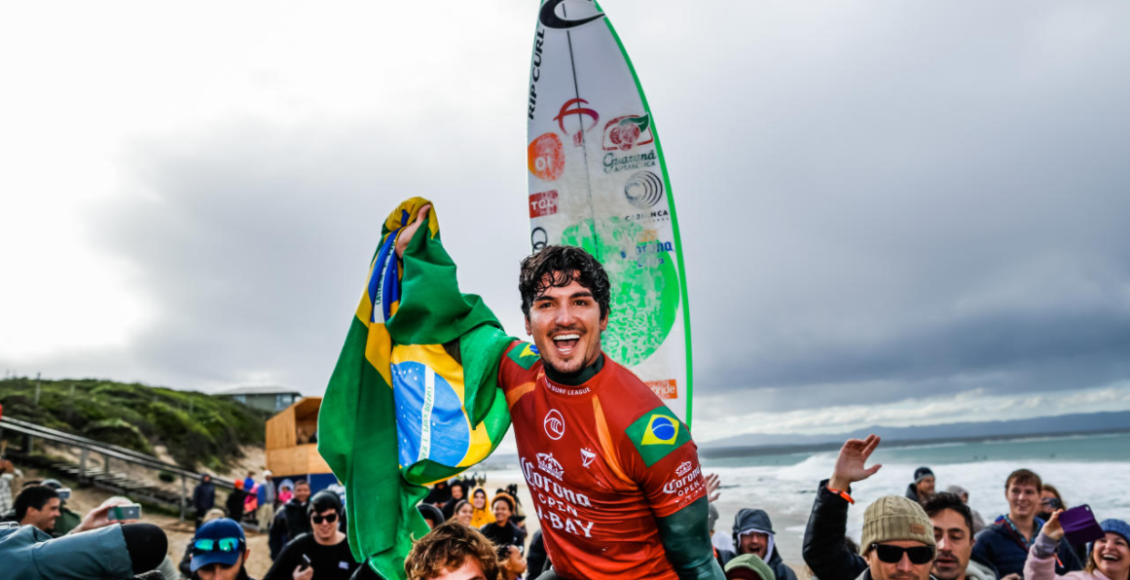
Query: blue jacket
(31, 554)
(1000, 546)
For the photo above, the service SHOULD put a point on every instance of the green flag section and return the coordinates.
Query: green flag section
(414, 397)
(657, 433)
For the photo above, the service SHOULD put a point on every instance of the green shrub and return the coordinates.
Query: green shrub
(197, 429)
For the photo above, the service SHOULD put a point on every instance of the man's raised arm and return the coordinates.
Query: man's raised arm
(824, 550)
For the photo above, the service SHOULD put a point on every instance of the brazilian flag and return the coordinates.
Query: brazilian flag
(414, 397)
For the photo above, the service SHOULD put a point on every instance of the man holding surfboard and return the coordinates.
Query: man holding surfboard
(614, 474)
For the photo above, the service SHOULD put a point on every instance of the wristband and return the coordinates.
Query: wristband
(842, 494)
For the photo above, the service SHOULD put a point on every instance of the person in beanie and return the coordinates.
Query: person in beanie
(235, 500)
(898, 536)
(753, 534)
(1108, 557)
(749, 567)
(923, 487)
(220, 551)
(503, 531)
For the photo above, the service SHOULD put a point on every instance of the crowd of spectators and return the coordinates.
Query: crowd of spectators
(920, 535)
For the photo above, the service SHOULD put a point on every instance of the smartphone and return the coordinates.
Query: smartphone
(1079, 525)
(125, 512)
(306, 563)
(64, 493)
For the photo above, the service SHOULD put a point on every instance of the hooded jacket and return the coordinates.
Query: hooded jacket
(757, 520)
(484, 516)
(204, 496)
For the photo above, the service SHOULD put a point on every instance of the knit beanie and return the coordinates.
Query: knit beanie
(892, 518)
(921, 473)
(751, 562)
(1117, 527)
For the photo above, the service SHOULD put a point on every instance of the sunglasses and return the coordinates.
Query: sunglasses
(222, 545)
(317, 519)
(893, 554)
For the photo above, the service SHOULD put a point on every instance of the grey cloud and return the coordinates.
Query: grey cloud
(877, 202)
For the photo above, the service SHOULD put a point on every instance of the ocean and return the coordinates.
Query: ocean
(1087, 469)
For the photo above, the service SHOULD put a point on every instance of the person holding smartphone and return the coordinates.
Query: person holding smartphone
(322, 554)
(1108, 558)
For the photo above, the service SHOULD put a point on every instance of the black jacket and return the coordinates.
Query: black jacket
(824, 549)
(290, 522)
(537, 559)
(508, 534)
(235, 504)
(912, 493)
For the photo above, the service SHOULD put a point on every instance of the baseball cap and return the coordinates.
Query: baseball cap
(220, 541)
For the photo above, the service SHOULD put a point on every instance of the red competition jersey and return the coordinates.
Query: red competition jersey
(602, 460)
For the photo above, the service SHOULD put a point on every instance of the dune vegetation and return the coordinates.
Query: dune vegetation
(198, 430)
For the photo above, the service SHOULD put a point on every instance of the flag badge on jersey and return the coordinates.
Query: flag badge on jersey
(657, 433)
(402, 411)
(525, 355)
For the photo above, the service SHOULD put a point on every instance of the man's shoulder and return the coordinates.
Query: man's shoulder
(303, 541)
(995, 536)
(624, 396)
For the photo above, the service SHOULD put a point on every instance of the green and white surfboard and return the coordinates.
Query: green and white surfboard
(597, 179)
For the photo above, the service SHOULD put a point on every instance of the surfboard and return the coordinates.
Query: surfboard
(597, 179)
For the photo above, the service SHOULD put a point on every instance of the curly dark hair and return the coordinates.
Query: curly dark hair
(950, 501)
(558, 266)
(449, 546)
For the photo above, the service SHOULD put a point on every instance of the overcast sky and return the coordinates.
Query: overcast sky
(891, 212)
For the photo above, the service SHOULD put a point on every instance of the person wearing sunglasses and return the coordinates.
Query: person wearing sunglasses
(898, 537)
(324, 553)
(220, 551)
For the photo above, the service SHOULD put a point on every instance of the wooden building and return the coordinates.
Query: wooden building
(292, 446)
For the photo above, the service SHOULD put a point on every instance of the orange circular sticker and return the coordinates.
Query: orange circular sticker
(546, 157)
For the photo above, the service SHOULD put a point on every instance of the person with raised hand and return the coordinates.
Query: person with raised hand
(932, 542)
(1108, 557)
(824, 549)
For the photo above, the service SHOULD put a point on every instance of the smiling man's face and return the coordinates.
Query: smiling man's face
(565, 323)
(1023, 499)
